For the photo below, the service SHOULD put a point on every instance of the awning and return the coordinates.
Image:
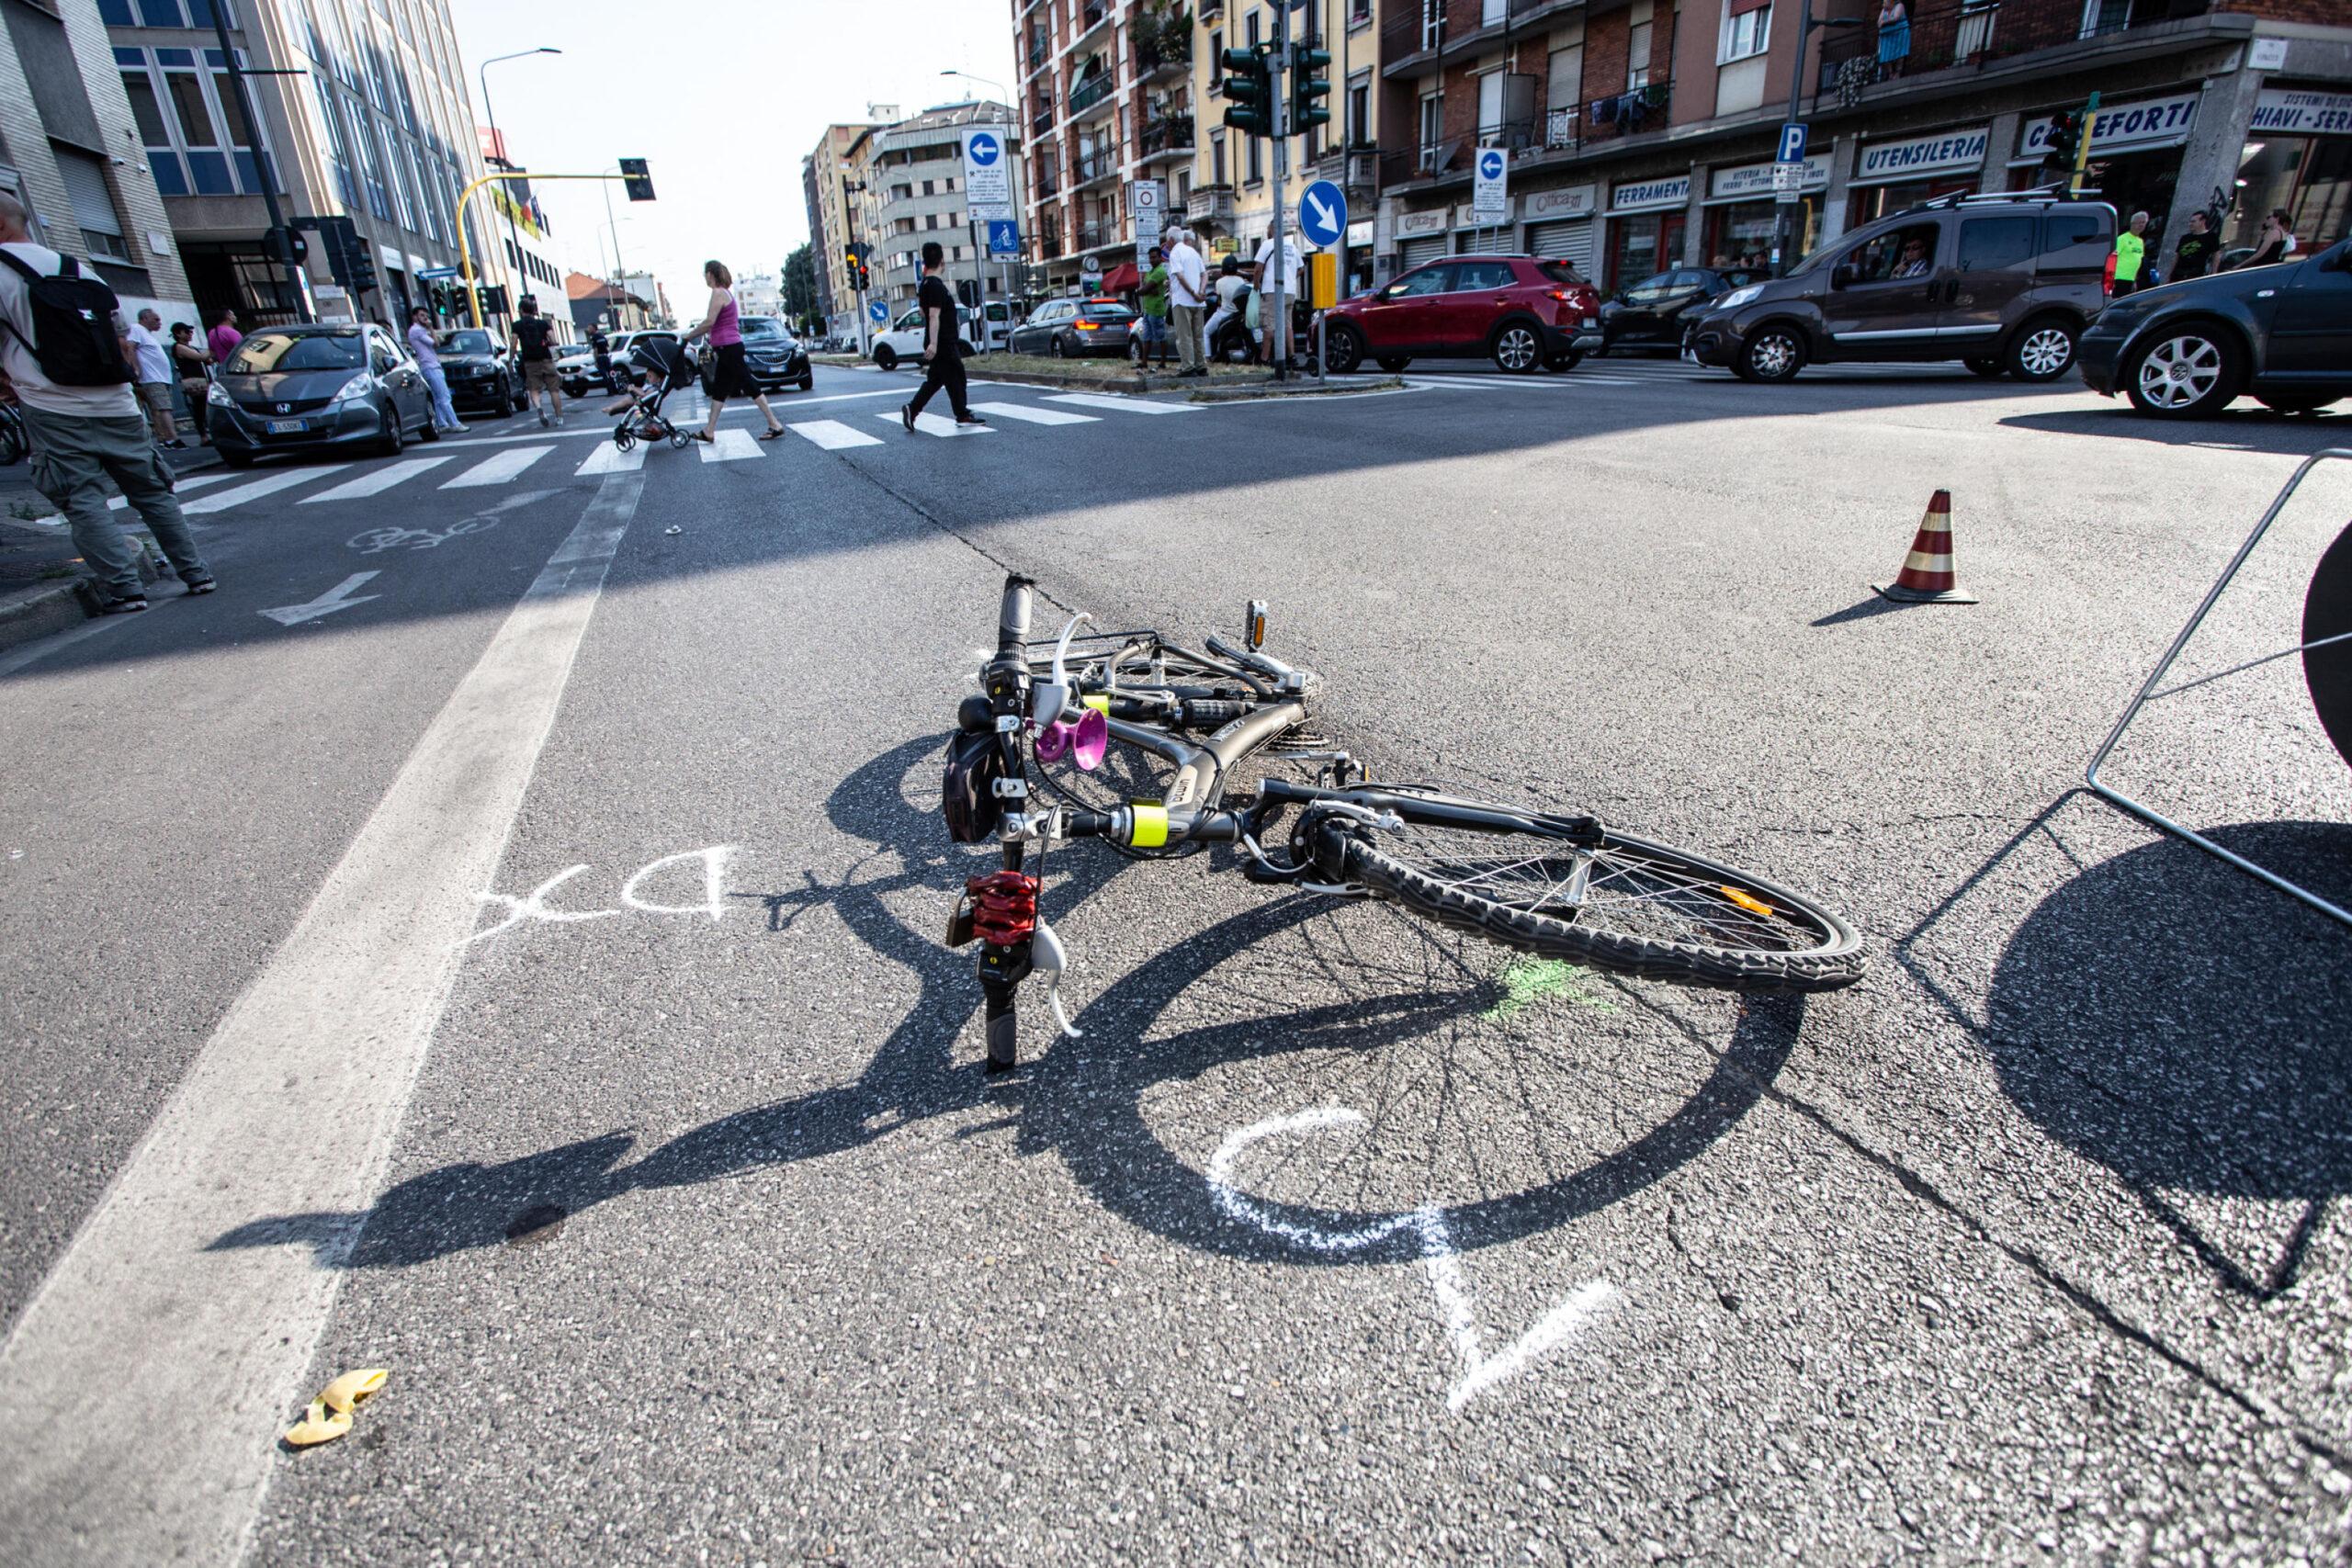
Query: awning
(1121, 278)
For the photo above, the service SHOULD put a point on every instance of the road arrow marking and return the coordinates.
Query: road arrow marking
(326, 604)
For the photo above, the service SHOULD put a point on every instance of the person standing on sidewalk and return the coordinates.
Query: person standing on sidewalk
(222, 340)
(151, 370)
(943, 355)
(2131, 256)
(534, 346)
(65, 362)
(189, 362)
(730, 373)
(428, 361)
(2193, 257)
(1151, 308)
(1188, 297)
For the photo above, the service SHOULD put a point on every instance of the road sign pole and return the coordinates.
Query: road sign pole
(1278, 111)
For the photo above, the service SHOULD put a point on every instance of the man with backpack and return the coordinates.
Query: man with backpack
(66, 361)
(535, 347)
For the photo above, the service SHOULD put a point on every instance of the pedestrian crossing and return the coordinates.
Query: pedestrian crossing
(1618, 372)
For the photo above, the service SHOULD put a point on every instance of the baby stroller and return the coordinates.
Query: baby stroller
(667, 370)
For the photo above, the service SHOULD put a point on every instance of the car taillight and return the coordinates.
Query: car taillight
(1090, 326)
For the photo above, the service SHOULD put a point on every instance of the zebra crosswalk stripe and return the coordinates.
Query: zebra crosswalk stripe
(377, 480)
(938, 424)
(832, 435)
(1123, 405)
(284, 479)
(1029, 414)
(732, 446)
(499, 469)
(608, 458)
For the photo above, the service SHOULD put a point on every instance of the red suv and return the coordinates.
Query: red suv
(1522, 311)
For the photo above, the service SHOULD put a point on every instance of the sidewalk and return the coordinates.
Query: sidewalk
(38, 563)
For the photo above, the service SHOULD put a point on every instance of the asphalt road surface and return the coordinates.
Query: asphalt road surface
(495, 939)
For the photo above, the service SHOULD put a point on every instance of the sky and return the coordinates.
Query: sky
(723, 98)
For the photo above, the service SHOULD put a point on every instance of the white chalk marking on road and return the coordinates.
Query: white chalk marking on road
(327, 603)
(378, 481)
(732, 446)
(832, 435)
(499, 467)
(938, 424)
(533, 907)
(608, 458)
(284, 479)
(1125, 405)
(714, 883)
(1031, 414)
(144, 1385)
(1456, 1305)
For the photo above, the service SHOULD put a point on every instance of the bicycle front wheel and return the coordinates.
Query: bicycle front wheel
(1623, 904)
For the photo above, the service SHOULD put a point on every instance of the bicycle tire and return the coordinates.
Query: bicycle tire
(1787, 943)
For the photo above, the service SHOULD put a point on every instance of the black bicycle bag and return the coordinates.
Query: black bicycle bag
(73, 319)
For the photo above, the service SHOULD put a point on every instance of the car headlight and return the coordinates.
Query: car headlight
(352, 391)
(1739, 297)
(218, 396)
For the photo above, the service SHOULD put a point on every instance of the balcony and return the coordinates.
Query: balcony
(1420, 34)
(1091, 17)
(1563, 129)
(1093, 93)
(1627, 114)
(1210, 205)
(1094, 168)
(1037, 51)
(1049, 245)
(1099, 236)
(1167, 138)
(1045, 182)
(1513, 136)
(1166, 52)
(1042, 122)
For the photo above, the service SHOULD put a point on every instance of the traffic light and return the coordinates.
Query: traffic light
(1248, 88)
(1306, 88)
(853, 259)
(2065, 139)
(494, 299)
(639, 183)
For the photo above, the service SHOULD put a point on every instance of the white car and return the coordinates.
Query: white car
(904, 338)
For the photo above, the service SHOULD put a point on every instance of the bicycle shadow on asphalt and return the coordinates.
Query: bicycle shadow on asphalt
(1082, 1099)
(2119, 1019)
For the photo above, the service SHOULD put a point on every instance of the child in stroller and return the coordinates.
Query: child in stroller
(667, 370)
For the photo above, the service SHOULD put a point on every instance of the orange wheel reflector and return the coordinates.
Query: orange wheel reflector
(1747, 901)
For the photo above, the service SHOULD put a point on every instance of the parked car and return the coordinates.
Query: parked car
(904, 338)
(2282, 333)
(1071, 329)
(1657, 311)
(1522, 311)
(774, 358)
(301, 389)
(575, 368)
(484, 375)
(2000, 283)
(619, 343)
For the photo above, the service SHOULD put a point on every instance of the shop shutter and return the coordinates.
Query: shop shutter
(1570, 242)
(1428, 248)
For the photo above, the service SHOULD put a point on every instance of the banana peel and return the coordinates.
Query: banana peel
(329, 1415)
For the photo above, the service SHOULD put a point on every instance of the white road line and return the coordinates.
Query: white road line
(938, 424)
(284, 479)
(832, 435)
(115, 503)
(143, 1388)
(732, 446)
(499, 467)
(379, 481)
(608, 458)
(1031, 414)
(1125, 405)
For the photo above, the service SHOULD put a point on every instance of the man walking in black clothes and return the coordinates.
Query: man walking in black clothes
(942, 363)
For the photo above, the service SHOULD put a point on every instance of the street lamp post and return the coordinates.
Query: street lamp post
(1784, 221)
(514, 239)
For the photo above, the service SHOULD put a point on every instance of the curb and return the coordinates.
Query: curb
(1286, 389)
(43, 613)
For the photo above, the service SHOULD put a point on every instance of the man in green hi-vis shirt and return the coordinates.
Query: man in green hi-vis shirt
(2131, 256)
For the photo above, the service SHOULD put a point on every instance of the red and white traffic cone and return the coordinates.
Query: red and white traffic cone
(1927, 577)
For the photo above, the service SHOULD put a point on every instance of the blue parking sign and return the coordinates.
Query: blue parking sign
(1792, 140)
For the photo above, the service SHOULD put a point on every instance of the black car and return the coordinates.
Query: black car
(774, 358)
(304, 389)
(483, 377)
(1066, 329)
(2282, 333)
(1655, 312)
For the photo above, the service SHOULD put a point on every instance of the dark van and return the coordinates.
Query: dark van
(2002, 283)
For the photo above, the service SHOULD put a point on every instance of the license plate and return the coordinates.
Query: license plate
(289, 426)
(1591, 323)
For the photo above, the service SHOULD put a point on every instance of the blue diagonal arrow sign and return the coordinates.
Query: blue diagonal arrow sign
(1322, 213)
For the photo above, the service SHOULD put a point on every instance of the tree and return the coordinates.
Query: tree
(800, 285)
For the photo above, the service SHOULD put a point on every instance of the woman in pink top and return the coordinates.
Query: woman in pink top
(729, 376)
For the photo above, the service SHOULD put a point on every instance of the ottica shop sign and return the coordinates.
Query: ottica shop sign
(2292, 112)
(1650, 195)
(2122, 127)
(1887, 161)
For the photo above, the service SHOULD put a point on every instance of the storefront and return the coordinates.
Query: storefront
(1360, 259)
(1647, 223)
(1495, 234)
(1891, 175)
(2298, 156)
(1742, 214)
(1421, 237)
(1559, 225)
(2134, 159)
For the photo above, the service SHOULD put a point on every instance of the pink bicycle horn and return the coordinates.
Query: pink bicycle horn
(1090, 739)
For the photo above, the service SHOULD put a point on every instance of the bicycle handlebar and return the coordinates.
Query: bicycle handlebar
(1013, 617)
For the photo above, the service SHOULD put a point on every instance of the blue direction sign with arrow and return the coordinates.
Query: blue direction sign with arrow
(879, 310)
(1322, 214)
(985, 148)
(434, 273)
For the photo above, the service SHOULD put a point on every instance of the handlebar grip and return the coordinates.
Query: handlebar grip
(1012, 616)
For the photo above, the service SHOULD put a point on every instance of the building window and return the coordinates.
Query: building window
(94, 209)
(1360, 114)
(147, 111)
(1637, 45)
(1217, 160)
(1432, 130)
(1745, 35)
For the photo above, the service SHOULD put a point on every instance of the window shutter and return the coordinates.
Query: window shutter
(86, 184)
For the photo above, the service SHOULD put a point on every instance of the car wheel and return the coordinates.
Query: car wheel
(2186, 372)
(1342, 350)
(237, 457)
(389, 443)
(428, 430)
(808, 380)
(2042, 351)
(1566, 359)
(1056, 349)
(886, 356)
(1988, 368)
(1772, 354)
(2292, 405)
(1393, 363)
(1517, 349)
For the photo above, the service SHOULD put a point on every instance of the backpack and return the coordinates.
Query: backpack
(533, 332)
(72, 319)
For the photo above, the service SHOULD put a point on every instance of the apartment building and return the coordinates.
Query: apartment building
(524, 233)
(69, 152)
(913, 192)
(1641, 134)
(1107, 94)
(371, 119)
(831, 178)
